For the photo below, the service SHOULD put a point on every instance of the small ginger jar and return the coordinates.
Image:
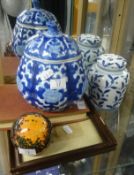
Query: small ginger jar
(109, 78)
(91, 48)
(51, 75)
(28, 23)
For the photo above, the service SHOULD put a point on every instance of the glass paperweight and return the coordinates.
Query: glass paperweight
(31, 133)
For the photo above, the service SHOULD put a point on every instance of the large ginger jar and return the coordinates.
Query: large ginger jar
(50, 75)
(91, 48)
(28, 23)
(108, 81)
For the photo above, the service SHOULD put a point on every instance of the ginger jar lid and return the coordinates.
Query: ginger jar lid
(36, 17)
(52, 46)
(89, 40)
(111, 62)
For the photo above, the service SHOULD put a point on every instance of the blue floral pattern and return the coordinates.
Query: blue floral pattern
(89, 40)
(35, 17)
(112, 62)
(107, 88)
(28, 23)
(51, 79)
(90, 46)
(38, 92)
(54, 48)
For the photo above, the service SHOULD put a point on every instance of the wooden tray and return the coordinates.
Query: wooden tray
(89, 138)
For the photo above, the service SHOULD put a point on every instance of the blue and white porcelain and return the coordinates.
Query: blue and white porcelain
(28, 23)
(91, 48)
(108, 81)
(50, 75)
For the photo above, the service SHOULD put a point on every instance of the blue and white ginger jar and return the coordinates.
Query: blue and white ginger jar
(91, 48)
(28, 23)
(108, 81)
(50, 75)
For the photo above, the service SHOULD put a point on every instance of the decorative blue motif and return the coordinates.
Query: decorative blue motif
(52, 96)
(51, 78)
(89, 40)
(112, 62)
(108, 85)
(57, 47)
(28, 23)
(90, 46)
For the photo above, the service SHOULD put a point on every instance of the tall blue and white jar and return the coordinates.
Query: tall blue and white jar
(109, 78)
(51, 75)
(91, 48)
(28, 23)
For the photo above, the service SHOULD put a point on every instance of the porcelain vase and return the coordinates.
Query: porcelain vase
(50, 75)
(28, 23)
(108, 81)
(91, 48)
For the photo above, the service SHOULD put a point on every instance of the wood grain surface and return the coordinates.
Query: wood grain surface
(12, 106)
